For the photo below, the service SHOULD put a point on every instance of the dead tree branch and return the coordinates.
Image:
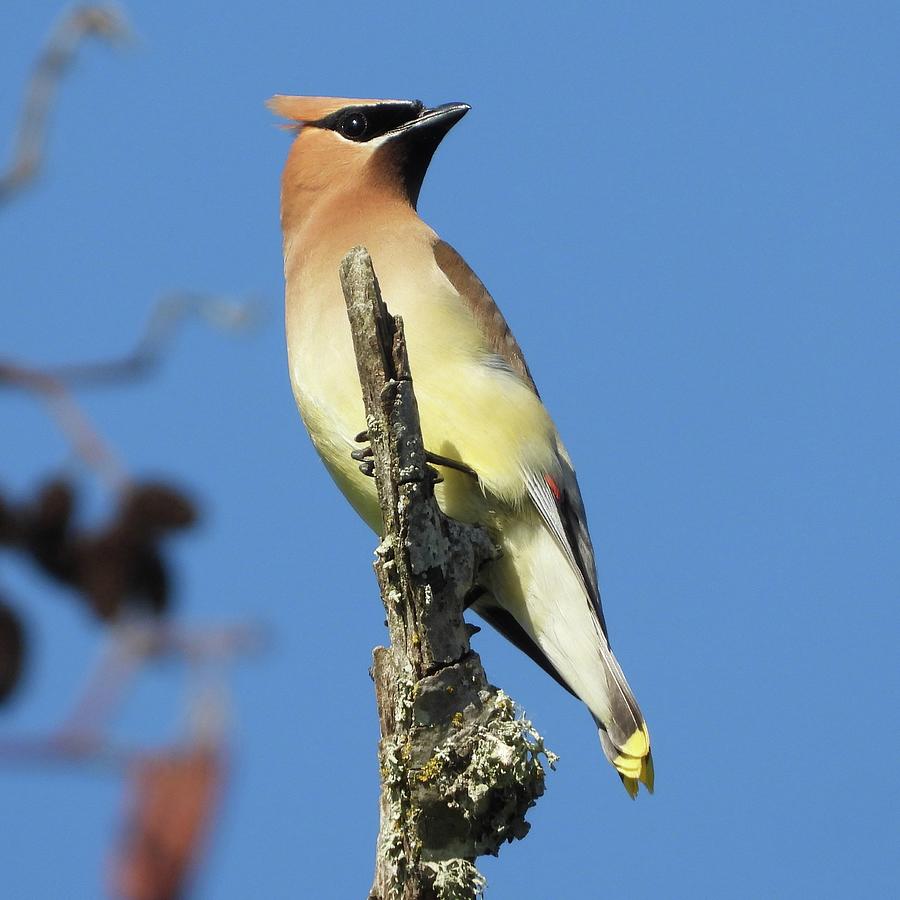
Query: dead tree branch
(458, 769)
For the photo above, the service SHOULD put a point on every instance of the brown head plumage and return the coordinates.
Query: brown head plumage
(361, 146)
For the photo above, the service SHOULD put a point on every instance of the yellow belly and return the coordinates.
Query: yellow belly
(471, 411)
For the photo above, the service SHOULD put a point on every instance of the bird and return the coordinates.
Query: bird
(352, 177)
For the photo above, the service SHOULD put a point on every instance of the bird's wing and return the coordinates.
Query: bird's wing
(504, 622)
(558, 500)
(487, 314)
(556, 496)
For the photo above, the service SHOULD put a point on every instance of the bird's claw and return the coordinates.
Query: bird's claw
(447, 463)
(366, 465)
(364, 455)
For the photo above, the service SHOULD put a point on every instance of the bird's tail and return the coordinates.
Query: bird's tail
(624, 735)
(552, 611)
(632, 769)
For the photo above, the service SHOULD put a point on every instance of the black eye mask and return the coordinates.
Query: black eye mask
(362, 123)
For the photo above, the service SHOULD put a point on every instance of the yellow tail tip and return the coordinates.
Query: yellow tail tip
(647, 774)
(638, 744)
(636, 771)
(628, 766)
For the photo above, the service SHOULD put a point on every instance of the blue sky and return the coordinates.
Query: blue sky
(688, 213)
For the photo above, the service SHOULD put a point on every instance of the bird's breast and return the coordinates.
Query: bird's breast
(471, 410)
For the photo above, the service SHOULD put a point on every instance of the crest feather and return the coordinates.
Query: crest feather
(311, 109)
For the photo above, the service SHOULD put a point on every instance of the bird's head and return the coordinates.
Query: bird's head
(345, 144)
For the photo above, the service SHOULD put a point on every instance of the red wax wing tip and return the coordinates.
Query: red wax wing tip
(553, 487)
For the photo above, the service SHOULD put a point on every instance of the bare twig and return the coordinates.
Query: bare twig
(458, 768)
(134, 644)
(72, 421)
(83, 735)
(68, 750)
(223, 313)
(104, 22)
(52, 383)
(105, 687)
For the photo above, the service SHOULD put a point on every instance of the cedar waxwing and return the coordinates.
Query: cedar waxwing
(352, 177)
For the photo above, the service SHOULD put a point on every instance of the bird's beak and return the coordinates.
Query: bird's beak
(433, 123)
(417, 140)
(443, 117)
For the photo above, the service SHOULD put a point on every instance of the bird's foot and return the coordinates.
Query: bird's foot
(364, 455)
(366, 465)
(437, 460)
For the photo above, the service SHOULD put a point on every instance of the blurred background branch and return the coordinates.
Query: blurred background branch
(86, 441)
(103, 22)
(118, 569)
(222, 313)
(53, 383)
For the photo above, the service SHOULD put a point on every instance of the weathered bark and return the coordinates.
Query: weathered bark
(458, 769)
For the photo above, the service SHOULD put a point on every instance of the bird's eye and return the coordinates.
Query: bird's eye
(353, 126)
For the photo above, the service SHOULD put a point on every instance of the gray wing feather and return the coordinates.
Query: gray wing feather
(566, 518)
